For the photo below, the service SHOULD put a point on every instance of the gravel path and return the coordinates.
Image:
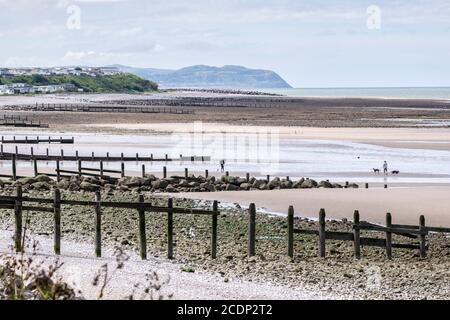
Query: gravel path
(80, 268)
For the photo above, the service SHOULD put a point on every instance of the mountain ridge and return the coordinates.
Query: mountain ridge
(204, 76)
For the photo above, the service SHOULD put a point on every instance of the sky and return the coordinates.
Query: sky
(317, 43)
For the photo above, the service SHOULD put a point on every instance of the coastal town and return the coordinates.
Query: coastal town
(25, 88)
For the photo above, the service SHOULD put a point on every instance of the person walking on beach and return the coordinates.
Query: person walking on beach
(222, 165)
(385, 167)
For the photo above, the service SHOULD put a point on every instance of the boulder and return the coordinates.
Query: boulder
(90, 187)
(41, 186)
(74, 186)
(325, 184)
(285, 184)
(170, 188)
(245, 186)
(160, 184)
(275, 183)
(208, 186)
(258, 183)
(25, 181)
(298, 184)
(43, 178)
(264, 186)
(231, 187)
(308, 184)
(62, 184)
(183, 183)
(353, 186)
(337, 186)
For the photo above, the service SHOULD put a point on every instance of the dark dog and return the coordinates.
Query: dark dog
(376, 170)
(395, 172)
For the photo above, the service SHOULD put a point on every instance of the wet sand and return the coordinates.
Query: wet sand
(412, 138)
(405, 204)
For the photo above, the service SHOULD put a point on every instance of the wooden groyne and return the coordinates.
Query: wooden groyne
(53, 206)
(20, 203)
(37, 140)
(93, 157)
(242, 102)
(96, 108)
(419, 232)
(22, 122)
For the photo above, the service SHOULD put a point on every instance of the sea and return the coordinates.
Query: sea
(438, 93)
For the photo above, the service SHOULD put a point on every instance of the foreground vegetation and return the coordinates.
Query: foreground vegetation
(123, 83)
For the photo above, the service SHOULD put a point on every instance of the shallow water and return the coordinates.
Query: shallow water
(261, 155)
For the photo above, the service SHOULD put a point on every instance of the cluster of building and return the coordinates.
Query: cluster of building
(77, 71)
(23, 88)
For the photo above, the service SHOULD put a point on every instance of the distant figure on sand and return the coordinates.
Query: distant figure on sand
(222, 165)
(385, 167)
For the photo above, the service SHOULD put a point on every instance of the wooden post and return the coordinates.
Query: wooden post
(122, 169)
(92, 156)
(385, 186)
(164, 172)
(101, 168)
(98, 225)
(291, 232)
(142, 231)
(214, 231)
(367, 186)
(423, 248)
(247, 176)
(322, 235)
(206, 173)
(356, 235)
(79, 168)
(17, 150)
(137, 157)
(58, 174)
(57, 218)
(76, 155)
(186, 173)
(32, 151)
(251, 230)
(1, 149)
(18, 219)
(107, 156)
(143, 171)
(14, 169)
(227, 174)
(268, 178)
(35, 166)
(388, 236)
(46, 153)
(121, 156)
(170, 229)
(167, 157)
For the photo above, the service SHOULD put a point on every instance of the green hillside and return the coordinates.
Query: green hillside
(101, 84)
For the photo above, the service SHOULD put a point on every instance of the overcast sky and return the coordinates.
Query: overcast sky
(317, 43)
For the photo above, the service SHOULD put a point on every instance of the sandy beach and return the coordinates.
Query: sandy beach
(405, 204)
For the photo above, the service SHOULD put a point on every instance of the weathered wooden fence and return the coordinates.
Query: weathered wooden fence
(37, 140)
(92, 157)
(20, 203)
(419, 232)
(100, 172)
(97, 108)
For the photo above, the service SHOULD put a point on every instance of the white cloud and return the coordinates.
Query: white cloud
(131, 31)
